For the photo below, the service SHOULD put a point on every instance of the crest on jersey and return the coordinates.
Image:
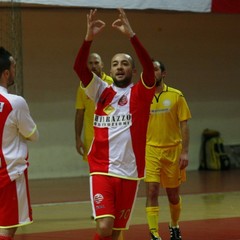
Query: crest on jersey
(123, 100)
(167, 103)
(98, 198)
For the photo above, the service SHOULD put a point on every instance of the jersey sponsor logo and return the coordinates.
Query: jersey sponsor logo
(158, 111)
(167, 105)
(1, 106)
(98, 198)
(112, 121)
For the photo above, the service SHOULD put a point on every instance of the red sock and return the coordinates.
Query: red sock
(97, 237)
(5, 238)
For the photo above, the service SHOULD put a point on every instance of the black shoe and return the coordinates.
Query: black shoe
(175, 233)
(154, 237)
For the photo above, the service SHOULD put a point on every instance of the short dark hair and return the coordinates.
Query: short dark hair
(162, 66)
(5, 62)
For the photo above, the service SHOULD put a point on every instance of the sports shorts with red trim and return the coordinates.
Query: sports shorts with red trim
(15, 209)
(113, 197)
(162, 166)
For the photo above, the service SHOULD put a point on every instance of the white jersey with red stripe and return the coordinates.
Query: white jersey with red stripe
(16, 125)
(120, 125)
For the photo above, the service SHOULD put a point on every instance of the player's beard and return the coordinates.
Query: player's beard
(98, 73)
(123, 83)
(158, 82)
(10, 80)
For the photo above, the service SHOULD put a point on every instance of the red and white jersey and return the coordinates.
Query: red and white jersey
(120, 125)
(16, 125)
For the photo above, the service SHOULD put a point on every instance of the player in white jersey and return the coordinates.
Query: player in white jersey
(16, 127)
(117, 154)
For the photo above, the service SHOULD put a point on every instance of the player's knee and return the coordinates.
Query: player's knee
(104, 229)
(153, 191)
(174, 198)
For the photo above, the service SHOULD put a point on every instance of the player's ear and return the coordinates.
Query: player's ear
(134, 71)
(164, 73)
(6, 73)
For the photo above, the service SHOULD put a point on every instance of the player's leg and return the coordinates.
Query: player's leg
(121, 237)
(152, 190)
(152, 208)
(112, 200)
(98, 237)
(102, 199)
(175, 206)
(105, 227)
(7, 233)
(172, 183)
(104, 232)
(126, 193)
(15, 209)
(5, 238)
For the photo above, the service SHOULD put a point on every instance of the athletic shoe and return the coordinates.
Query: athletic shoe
(175, 233)
(154, 237)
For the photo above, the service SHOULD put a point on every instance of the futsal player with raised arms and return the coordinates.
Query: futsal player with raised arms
(117, 155)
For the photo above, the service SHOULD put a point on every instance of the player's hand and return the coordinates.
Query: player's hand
(93, 26)
(122, 24)
(80, 147)
(183, 161)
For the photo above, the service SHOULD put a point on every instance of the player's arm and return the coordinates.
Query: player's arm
(79, 116)
(183, 162)
(80, 66)
(146, 62)
(34, 136)
(25, 124)
(123, 25)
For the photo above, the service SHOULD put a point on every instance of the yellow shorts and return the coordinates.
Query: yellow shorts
(162, 166)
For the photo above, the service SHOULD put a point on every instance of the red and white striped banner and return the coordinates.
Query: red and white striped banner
(215, 6)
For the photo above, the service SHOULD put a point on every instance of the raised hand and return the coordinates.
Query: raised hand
(93, 26)
(122, 24)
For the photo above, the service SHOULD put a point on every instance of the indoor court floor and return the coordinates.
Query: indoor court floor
(211, 209)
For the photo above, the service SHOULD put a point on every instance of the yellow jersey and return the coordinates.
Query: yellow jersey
(167, 110)
(84, 102)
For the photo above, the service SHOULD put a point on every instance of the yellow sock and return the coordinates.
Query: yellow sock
(175, 210)
(121, 236)
(152, 218)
